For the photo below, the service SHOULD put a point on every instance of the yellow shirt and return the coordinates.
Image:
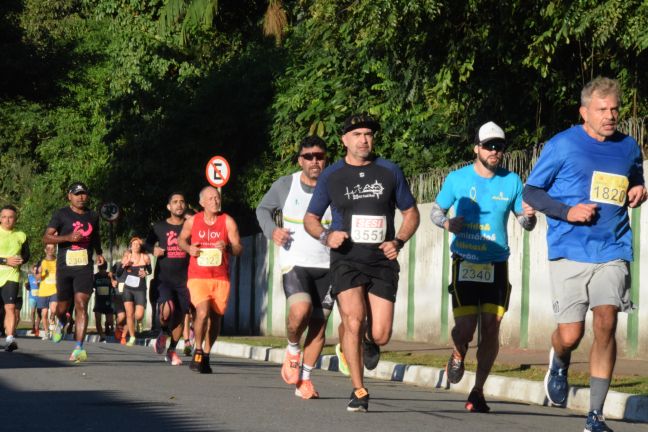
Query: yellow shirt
(10, 245)
(48, 278)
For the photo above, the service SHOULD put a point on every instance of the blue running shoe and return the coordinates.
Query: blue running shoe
(555, 382)
(596, 423)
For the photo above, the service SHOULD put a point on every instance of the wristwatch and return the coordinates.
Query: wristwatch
(399, 243)
(323, 237)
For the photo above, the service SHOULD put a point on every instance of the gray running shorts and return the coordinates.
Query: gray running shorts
(577, 287)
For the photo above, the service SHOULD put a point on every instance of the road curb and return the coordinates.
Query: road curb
(620, 406)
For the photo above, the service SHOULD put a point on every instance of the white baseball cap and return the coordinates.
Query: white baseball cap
(489, 132)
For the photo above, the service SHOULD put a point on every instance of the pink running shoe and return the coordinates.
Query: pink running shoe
(173, 358)
(160, 343)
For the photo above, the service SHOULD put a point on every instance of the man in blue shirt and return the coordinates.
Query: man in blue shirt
(483, 195)
(584, 181)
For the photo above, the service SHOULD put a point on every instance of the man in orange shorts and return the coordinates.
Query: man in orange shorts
(209, 237)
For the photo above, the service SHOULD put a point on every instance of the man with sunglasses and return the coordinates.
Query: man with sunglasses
(584, 181)
(363, 192)
(483, 195)
(76, 230)
(304, 263)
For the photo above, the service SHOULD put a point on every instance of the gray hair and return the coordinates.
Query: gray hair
(603, 86)
(200, 195)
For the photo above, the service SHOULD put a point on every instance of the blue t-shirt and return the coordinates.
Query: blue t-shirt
(575, 168)
(485, 204)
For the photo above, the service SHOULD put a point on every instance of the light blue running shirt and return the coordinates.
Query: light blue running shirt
(485, 204)
(575, 168)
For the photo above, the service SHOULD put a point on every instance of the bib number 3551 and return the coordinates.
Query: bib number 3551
(368, 229)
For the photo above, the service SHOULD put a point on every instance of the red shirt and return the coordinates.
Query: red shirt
(211, 264)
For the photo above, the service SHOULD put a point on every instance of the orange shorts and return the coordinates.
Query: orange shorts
(215, 291)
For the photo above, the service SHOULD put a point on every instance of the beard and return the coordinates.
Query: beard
(488, 165)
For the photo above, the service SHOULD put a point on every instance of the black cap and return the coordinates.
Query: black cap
(77, 187)
(362, 120)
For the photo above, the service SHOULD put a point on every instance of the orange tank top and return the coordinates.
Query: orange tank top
(212, 263)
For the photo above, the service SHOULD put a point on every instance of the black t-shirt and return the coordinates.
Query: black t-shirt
(102, 285)
(363, 201)
(172, 266)
(77, 255)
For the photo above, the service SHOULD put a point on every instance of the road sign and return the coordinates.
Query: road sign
(217, 171)
(109, 212)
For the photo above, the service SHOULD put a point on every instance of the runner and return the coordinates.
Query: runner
(103, 301)
(14, 251)
(214, 237)
(364, 192)
(584, 181)
(304, 264)
(46, 301)
(75, 229)
(32, 288)
(170, 277)
(135, 266)
(483, 195)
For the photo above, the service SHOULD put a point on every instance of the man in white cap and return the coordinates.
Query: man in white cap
(483, 194)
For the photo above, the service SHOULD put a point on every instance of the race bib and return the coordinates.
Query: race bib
(132, 281)
(471, 272)
(609, 188)
(76, 258)
(103, 291)
(120, 287)
(210, 257)
(368, 229)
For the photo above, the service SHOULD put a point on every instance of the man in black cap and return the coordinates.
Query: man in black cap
(363, 190)
(76, 230)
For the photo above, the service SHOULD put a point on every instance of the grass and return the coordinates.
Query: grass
(623, 383)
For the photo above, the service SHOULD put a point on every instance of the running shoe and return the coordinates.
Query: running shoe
(195, 360)
(11, 346)
(131, 341)
(371, 353)
(102, 340)
(306, 390)
(57, 335)
(78, 355)
(122, 341)
(37, 332)
(118, 334)
(200, 363)
(476, 402)
(173, 358)
(455, 367)
(160, 343)
(359, 401)
(290, 368)
(46, 336)
(596, 423)
(555, 382)
(187, 348)
(343, 366)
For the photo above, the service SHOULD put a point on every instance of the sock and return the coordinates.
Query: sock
(79, 345)
(187, 342)
(166, 330)
(306, 372)
(173, 344)
(598, 391)
(562, 363)
(9, 339)
(293, 348)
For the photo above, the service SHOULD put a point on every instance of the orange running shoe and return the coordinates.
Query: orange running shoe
(123, 341)
(306, 390)
(290, 368)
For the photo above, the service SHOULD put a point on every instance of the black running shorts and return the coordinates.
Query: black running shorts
(309, 282)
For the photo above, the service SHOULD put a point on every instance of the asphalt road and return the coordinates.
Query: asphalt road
(132, 389)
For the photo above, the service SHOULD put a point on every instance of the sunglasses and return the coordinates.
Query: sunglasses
(315, 155)
(498, 146)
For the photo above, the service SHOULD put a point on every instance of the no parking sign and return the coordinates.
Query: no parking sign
(217, 171)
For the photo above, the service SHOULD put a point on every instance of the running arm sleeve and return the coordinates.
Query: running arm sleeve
(540, 200)
(438, 215)
(272, 201)
(24, 251)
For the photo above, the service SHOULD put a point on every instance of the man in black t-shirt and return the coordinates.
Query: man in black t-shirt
(75, 229)
(170, 276)
(363, 192)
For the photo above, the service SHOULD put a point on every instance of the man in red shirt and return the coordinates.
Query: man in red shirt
(209, 237)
